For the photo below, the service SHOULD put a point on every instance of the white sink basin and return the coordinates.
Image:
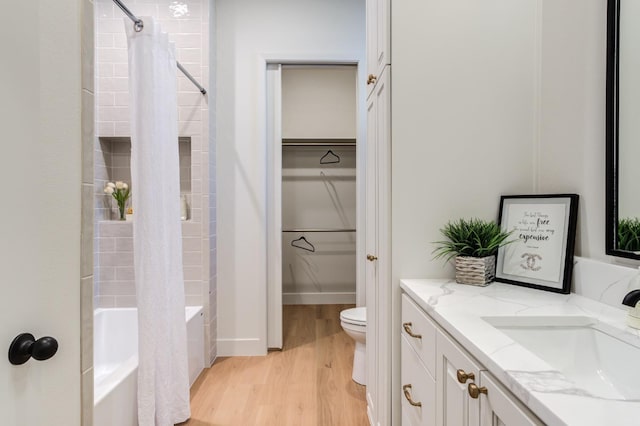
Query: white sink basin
(583, 350)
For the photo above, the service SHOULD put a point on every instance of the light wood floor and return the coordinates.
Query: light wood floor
(307, 383)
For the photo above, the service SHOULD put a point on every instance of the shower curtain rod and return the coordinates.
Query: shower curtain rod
(138, 26)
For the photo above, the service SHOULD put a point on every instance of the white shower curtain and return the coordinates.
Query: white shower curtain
(163, 379)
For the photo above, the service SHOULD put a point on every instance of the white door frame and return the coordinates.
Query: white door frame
(273, 142)
(274, 204)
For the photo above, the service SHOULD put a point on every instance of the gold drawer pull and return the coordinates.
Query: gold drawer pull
(475, 391)
(371, 79)
(463, 377)
(407, 394)
(407, 328)
(371, 257)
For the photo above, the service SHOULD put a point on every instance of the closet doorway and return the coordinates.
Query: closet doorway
(312, 142)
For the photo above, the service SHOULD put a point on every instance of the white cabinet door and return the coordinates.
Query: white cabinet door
(454, 406)
(378, 272)
(371, 247)
(378, 37)
(406, 421)
(40, 214)
(499, 408)
(418, 389)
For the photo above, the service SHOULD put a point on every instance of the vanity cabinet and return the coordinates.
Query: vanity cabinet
(450, 386)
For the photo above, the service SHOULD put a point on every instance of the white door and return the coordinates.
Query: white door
(40, 211)
(371, 247)
(455, 371)
(378, 39)
(498, 407)
(378, 269)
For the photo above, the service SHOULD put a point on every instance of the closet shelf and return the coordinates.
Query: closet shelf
(319, 230)
(317, 142)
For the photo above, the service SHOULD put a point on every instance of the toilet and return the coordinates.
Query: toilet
(354, 323)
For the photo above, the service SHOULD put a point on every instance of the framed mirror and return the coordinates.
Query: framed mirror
(623, 129)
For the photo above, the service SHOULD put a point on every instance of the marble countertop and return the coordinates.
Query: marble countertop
(555, 399)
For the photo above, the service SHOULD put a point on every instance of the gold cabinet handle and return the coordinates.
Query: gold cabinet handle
(407, 394)
(371, 257)
(372, 79)
(407, 328)
(463, 377)
(475, 391)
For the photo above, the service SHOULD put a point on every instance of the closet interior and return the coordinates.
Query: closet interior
(319, 184)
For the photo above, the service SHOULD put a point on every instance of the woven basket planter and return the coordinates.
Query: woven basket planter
(475, 270)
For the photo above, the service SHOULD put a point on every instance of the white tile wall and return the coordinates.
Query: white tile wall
(115, 272)
(187, 23)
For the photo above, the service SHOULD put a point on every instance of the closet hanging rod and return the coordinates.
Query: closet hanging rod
(138, 25)
(318, 230)
(318, 142)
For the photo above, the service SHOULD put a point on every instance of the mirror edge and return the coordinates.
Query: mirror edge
(611, 222)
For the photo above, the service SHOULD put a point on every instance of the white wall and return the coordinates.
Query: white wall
(463, 116)
(319, 102)
(494, 121)
(248, 31)
(572, 137)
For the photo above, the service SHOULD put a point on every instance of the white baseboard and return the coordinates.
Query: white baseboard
(370, 410)
(318, 298)
(369, 415)
(241, 347)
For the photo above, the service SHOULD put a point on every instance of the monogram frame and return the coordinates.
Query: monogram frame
(543, 232)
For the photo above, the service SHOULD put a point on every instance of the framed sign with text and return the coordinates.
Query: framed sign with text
(543, 228)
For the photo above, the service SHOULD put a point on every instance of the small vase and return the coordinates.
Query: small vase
(475, 270)
(121, 211)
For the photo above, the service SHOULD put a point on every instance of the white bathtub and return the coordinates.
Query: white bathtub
(115, 362)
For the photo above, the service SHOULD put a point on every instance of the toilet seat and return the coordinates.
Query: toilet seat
(354, 316)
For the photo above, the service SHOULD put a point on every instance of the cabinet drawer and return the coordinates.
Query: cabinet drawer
(414, 320)
(417, 386)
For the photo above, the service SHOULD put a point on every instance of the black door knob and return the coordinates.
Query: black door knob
(25, 346)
